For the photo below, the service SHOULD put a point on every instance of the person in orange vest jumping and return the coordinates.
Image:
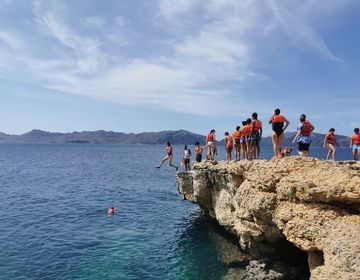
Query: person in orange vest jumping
(303, 132)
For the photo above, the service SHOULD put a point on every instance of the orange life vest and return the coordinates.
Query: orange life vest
(246, 130)
(356, 138)
(210, 137)
(237, 135)
(307, 128)
(331, 139)
(278, 118)
(257, 126)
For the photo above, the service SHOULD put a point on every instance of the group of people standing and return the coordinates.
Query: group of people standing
(245, 141)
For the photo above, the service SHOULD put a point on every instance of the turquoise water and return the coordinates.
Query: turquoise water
(54, 225)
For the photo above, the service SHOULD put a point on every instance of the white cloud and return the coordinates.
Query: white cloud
(217, 46)
(11, 40)
(302, 35)
(87, 50)
(94, 21)
(170, 8)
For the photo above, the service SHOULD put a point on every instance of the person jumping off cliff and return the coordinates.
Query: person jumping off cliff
(168, 156)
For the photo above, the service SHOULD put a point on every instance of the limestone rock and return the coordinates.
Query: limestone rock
(314, 204)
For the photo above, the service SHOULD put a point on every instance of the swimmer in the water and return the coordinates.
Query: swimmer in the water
(111, 211)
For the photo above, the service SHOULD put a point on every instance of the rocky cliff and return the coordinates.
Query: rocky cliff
(311, 203)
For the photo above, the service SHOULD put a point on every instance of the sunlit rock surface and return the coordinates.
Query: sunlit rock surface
(314, 204)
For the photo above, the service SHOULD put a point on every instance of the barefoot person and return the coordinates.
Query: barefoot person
(246, 131)
(243, 140)
(198, 151)
(169, 156)
(229, 143)
(255, 136)
(303, 132)
(237, 143)
(330, 141)
(355, 144)
(278, 128)
(186, 158)
(211, 144)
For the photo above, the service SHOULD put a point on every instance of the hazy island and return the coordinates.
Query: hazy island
(110, 137)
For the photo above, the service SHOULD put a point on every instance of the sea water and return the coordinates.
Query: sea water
(54, 222)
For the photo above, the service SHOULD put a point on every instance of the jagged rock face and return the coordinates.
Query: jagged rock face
(314, 204)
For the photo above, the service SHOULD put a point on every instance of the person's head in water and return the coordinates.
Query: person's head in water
(111, 211)
(277, 111)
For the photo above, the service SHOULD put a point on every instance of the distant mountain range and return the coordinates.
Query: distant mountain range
(110, 137)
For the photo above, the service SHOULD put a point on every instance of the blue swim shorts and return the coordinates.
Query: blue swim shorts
(356, 147)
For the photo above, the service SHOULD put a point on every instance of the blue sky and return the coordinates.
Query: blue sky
(152, 65)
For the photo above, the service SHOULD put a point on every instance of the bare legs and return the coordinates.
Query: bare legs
(245, 153)
(237, 147)
(256, 150)
(211, 152)
(356, 154)
(228, 153)
(331, 152)
(303, 153)
(277, 141)
(169, 158)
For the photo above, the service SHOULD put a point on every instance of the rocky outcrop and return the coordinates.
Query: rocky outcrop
(311, 203)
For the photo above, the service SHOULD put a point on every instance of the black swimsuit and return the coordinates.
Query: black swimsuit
(278, 128)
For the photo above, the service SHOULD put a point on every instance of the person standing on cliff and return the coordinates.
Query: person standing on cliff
(246, 132)
(303, 132)
(330, 141)
(255, 136)
(198, 151)
(237, 143)
(229, 143)
(168, 156)
(211, 144)
(243, 140)
(277, 121)
(355, 144)
(186, 158)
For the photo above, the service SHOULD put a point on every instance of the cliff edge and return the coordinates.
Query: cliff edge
(313, 204)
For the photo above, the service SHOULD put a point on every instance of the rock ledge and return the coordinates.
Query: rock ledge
(314, 204)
